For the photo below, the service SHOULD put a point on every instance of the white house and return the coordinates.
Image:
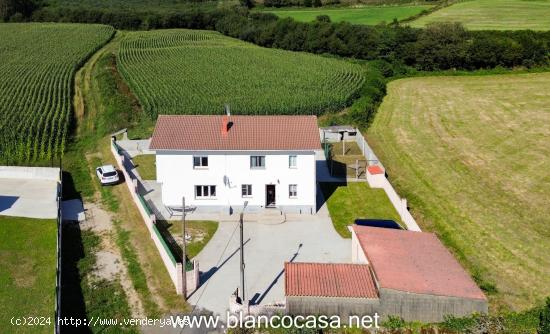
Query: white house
(219, 162)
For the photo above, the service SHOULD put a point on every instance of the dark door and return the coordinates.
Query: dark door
(270, 195)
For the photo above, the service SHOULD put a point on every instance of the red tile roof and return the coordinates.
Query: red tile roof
(329, 280)
(415, 262)
(375, 169)
(189, 133)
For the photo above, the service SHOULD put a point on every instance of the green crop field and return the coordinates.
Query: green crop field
(28, 252)
(364, 15)
(472, 156)
(36, 85)
(494, 14)
(198, 72)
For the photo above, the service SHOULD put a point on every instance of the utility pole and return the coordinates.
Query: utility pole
(184, 253)
(242, 251)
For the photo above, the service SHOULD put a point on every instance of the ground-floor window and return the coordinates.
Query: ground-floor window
(205, 192)
(292, 190)
(246, 190)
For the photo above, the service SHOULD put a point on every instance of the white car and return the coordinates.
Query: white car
(107, 174)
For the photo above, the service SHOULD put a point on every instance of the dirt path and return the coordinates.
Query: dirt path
(110, 265)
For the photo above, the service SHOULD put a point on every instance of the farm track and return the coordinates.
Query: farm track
(159, 297)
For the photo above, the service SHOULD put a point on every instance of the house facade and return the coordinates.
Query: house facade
(219, 162)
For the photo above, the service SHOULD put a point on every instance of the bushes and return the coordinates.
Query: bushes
(544, 319)
(439, 47)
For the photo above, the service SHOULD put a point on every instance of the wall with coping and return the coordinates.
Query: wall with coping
(174, 268)
(42, 173)
(400, 204)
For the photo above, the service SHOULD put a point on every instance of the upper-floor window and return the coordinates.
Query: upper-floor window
(246, 190)
(292, 161)
(200, 161)
(292, 190)
(257, 161)
(203, 192)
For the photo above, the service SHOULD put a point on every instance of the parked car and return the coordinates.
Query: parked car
(383, 223)
(107, 174)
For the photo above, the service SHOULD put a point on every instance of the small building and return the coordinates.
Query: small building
(219, 162)
(414, 275)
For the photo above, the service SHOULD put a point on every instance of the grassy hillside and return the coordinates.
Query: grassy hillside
(27, 271)
(198, 72)
(494, 14)
(472, 156)
(36, 85)
(364, 15)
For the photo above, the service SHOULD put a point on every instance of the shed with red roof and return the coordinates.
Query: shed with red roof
(414, 276)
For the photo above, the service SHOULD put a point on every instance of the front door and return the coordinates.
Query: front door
(270, 195)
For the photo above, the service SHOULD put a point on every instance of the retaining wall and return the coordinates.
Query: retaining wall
(400, 204)
(173, 267)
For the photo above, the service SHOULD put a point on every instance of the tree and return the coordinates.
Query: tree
(308, 3)
(323, 18)
(10, 7)
(247, 3)
(317, 3)
(544, 319)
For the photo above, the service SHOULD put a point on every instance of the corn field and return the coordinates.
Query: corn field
(37, 67)
(198, 72)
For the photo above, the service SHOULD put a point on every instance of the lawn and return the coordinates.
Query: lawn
(345, 156)
(356, 200)
(494, 15)
(146, 167)
(364, 15)
(201, 232)
(28, 255)
(472, 156)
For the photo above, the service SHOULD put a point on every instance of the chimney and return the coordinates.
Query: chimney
(226, 123)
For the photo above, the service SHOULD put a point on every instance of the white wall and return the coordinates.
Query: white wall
(41, 173)
(178, 178)
(357, 252)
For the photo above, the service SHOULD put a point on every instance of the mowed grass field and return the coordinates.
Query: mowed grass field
(198, 72)
(494, 15)
(38, 63)
(27, 272)
(364, 15)
(472, 156)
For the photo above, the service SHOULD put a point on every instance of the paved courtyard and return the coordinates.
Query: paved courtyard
(33, 198)
(267, 248)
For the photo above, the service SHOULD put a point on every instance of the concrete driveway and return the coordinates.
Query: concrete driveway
(33, 198)
(304, 239)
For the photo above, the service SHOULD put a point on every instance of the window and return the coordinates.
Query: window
(292, 161)
(292, 190)
(200, 162)
(205, 192)
(257, 161)
(246, 190)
